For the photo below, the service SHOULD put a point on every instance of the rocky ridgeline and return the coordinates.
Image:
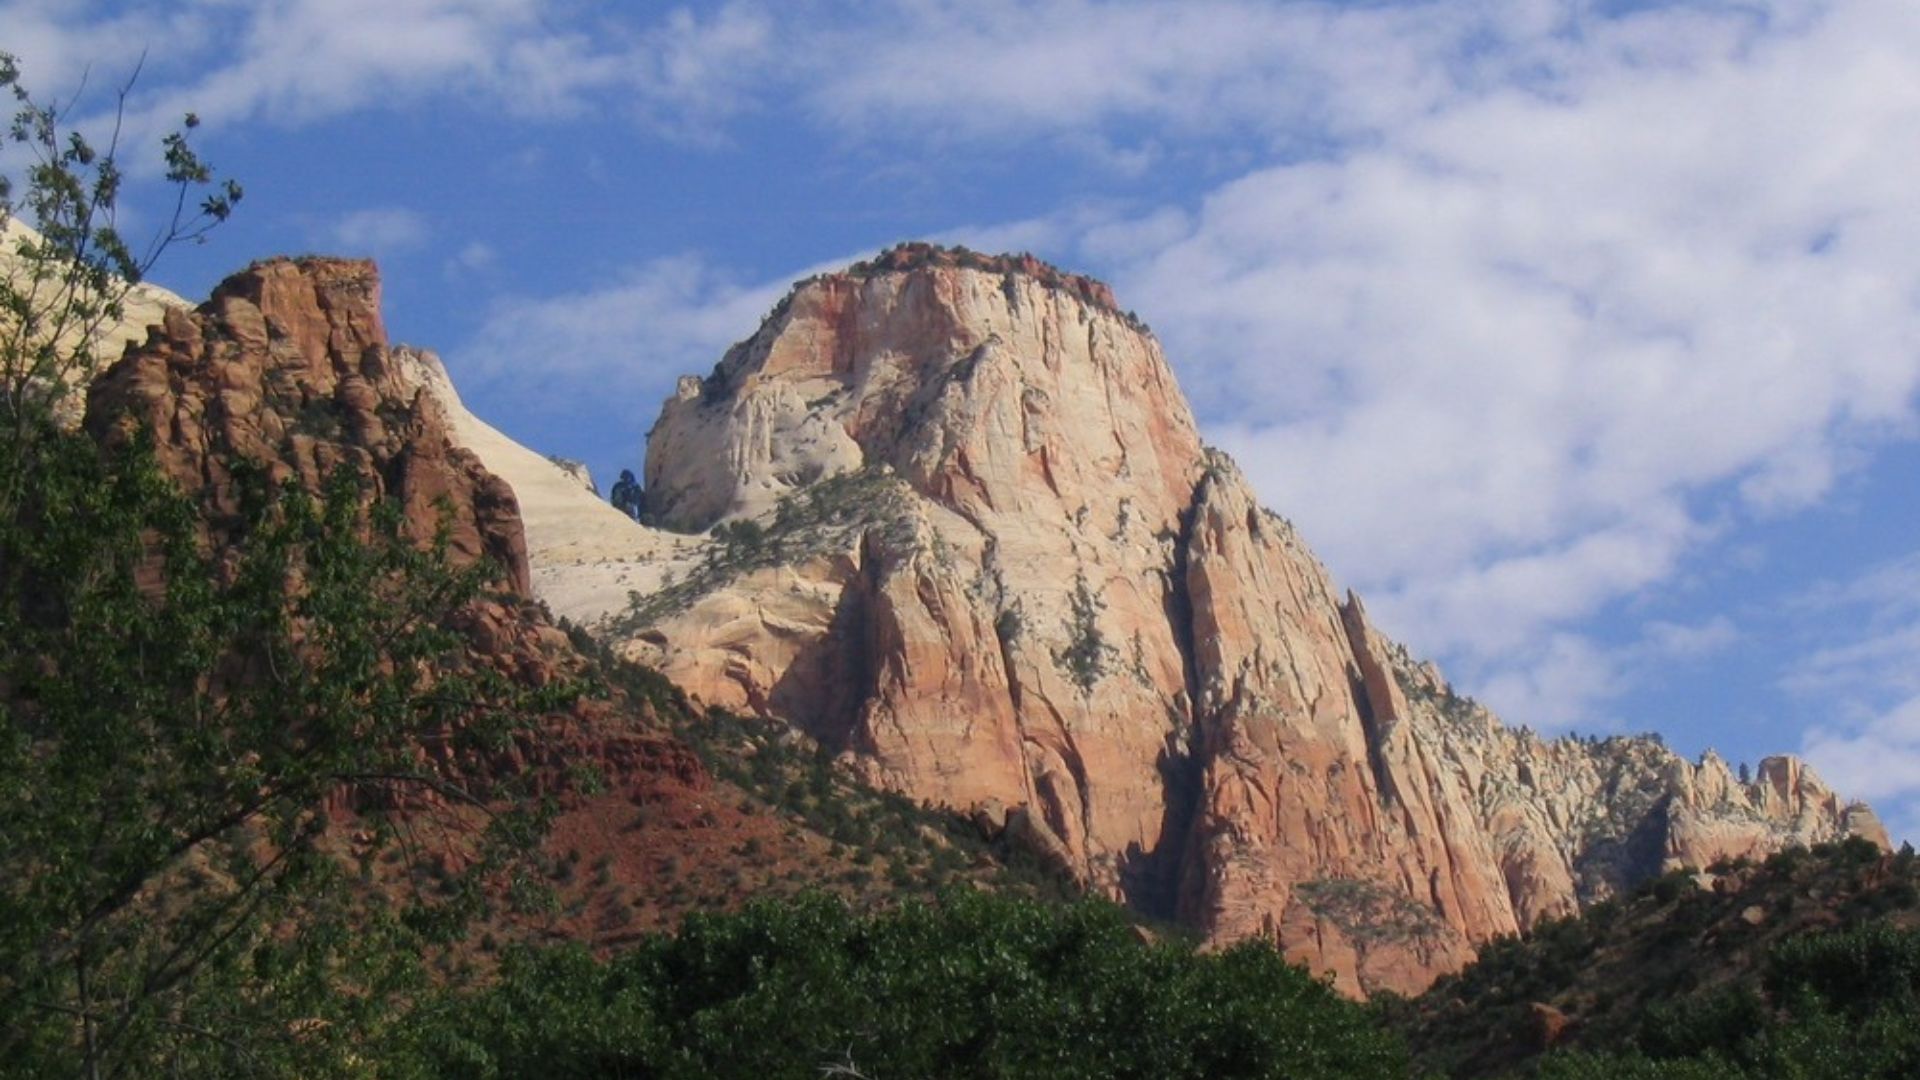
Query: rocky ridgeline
(967, 533)
(922, 256)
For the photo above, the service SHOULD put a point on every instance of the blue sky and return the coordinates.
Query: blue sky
(1582, 338)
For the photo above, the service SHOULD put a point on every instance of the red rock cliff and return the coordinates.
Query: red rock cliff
(993, 562)
(287, 367)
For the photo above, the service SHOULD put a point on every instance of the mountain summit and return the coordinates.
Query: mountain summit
(962, 529)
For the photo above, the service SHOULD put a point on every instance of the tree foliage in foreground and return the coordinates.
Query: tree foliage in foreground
(174, 885)
(70, 282)
(977, 985)
(182, 725)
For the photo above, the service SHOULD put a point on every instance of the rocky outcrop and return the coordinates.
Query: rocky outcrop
(286, 368)
(961, 527)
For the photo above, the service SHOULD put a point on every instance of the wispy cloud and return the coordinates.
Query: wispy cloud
(475, 256)
(290, 62)
(1864, 687)
(378, 231)
(1137, 73)
(1561, 688)
(627, 338)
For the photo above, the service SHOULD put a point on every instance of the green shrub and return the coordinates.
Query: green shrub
(975, 986)
(1856, 971)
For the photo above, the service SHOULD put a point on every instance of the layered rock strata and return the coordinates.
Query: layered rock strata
(961, 526)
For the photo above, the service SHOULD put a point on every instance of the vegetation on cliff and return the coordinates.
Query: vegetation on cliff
(825, 517)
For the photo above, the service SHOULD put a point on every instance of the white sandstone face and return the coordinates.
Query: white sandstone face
(585, 556)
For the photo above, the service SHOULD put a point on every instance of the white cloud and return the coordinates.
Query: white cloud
(472, 258)
(65, 47)
(1885, 660)
(690, 72)
(998, 68)
(294, 61)
(1877, 759)
(298, 60)
(626, 339)
(1865, 689)
(1561, 689)
(1567, 681)
(1886, 593)
(379, 231)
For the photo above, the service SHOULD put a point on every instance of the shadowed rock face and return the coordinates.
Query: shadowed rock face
(995, 566)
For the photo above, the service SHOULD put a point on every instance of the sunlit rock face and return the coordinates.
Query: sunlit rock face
(952, 515)
(286, 368)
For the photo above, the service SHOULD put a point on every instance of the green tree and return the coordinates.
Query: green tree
(173, 728)
(1839, 1004)
(977, 985)
(63, 286)
(183, 730)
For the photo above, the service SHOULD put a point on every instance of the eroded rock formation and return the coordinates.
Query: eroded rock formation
(964, 529)
(286, 370)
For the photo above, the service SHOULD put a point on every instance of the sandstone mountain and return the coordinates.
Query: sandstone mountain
(951, 516)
